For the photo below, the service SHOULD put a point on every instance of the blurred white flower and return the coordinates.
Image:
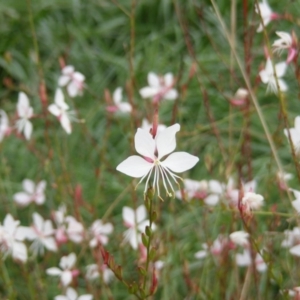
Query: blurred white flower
(25, 112)
(215, 191)
(244, 260)
(74, 230)
(135, 221)
(32, 193)
(11, 239)
(99, 232)
(148, 126)
(286, 42)
(193, 189)
(295, 292)
(239, 238)
(282, 178)
(153, 150)
(240, 97)
(4, 124)
(291, 237)
(66, 271)
(295, 134)
(266, 14)
(92, 273)
(296, 202)
(159, 88)
(71, 294)
(73, 80)
(41, 233)
(252, 201)
(59, 219)
(119, 105)
(268, 76)
(60, 109)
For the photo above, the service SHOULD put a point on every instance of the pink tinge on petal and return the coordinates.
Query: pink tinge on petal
(275, 16)
(291, 55)
(148, 159)
(60, 236)
(75, 273)
(112, 108)
(238, 102)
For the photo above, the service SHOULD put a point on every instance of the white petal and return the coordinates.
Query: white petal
(141, 213)
(38, 221)
(117, 95)
(54, 110)
(215, 187)
(22, 198)
(66, 278)
(28, 186)
(86, 297)
(135, 166)
(282, 85)
(23, 104)
(153, 80)
(50, 244)
(243, 259)
(297, 123)
(264, 76)
(280, 69)
(212, 200)
(295, 250)
(128, 215)
(79, 77)
(71, 293)
(169, 79)
(65, 123)
(180, 161)
(107, 228)
(72, 89)
(166, 140)
(124, 107)
(201, 254)
(19, 251)
(148, 92)
(61, 297)
(54, 271)
(59, 99)
(171, 94)
(144, 143)
(68, 70)
(28, 130)
(63, 80)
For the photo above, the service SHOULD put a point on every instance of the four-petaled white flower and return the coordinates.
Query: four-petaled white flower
(119, 105)
(71, 294)
(66, 273)
(60, 109)
(153, 151)
(99, 232)
(239, 238)
(287, 42)
(268, 76)
(32, 193)
(73, 80)
(295, 134)
(41, 233)
(266, 14)
(252, 201)
(4, 125)
(159, 88)
(135, 221)
(25, 112)
(11, 239)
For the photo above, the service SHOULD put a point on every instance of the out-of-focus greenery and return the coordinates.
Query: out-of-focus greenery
(116, 43)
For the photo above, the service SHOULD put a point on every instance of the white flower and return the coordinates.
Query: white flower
(215, 190)
(239, 237)
(219, 244)
(239, 97)
(4, 127)
(295, 292)
(60, 110)
(99, 233)
(11, 237)
(268, 76)
(32, 193)
(123, 107)
(73, 80)
(266, 13)
(252, 201)
(71, 294)
(41, 233)
(92, 272)
(244, 260)
(25, 112)
(75, 229)
(135, 221)
(285, 41)
(193, 189)
(65, 273)
(295, 134)
(292, 237)
(153, 151)
(159, 87)
(148, 126)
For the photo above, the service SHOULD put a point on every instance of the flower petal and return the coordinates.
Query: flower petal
(128, 215)
(166, 140)
(65, 123)
(63, 80)
(141, 213)
(171, 95)
(28, 130)
(117, 95)
(280, 69)
(135, 166)
(180, 161)
(23, 104)
(22, 198)
(144, 143)
(148, 92)
(153, 80)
